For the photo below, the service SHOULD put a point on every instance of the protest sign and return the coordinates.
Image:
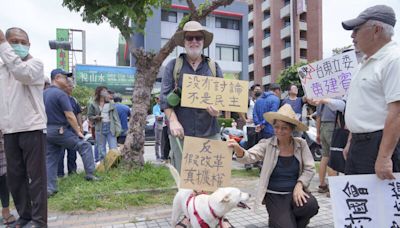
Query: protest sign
(329, 77)
(206, 164)
(224, 94)
(365, 201)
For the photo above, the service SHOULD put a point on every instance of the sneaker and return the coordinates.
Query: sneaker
(323, 188)
(91, 178)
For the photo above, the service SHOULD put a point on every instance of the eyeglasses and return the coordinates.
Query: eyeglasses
(190, 38)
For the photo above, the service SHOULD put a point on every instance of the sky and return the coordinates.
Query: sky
(40, 18)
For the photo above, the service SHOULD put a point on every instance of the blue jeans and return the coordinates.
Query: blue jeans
(56, 143)
(71, 163)
(104, 136)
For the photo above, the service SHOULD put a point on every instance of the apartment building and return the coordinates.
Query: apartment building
(229, 25)
(282, 33)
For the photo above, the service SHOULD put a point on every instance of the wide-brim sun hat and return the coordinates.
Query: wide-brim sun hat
(193, 26)
(286, 114)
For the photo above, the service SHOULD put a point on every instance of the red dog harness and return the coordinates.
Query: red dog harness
(201, 222)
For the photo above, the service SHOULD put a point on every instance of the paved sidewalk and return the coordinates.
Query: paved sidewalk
(160, 216)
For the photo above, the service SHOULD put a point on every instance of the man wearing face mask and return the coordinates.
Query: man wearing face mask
(63, 131)
(23, 122)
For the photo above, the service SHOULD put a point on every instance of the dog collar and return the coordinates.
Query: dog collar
(201, 222)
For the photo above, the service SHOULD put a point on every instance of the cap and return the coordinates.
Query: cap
(59, 71)
(381, 13)
(274, 86)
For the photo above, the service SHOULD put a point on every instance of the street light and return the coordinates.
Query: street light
(65, 45)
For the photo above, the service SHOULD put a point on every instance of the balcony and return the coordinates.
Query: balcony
(251, 50)
(303, 59)
(266, 61)
(266, 23)
(250, 16)
(303, 44)
(266, 42)
(285, 32)
(303, 26)
(285, 11)
(285, 53)
(251, 67)
(266, 79)
(265, 5)
(250, 33)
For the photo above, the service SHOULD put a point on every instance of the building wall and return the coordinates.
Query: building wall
(302, 31)
(157, 30)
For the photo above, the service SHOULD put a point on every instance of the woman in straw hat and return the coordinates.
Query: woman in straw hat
(286, 173)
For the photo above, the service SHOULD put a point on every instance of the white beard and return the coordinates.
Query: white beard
(194, 53)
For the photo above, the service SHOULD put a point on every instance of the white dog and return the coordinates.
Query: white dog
(205, 210)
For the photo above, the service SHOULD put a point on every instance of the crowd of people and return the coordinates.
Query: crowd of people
(38, 124)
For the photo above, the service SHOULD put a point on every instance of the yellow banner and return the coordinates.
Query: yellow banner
(206, 164)
(200, 91)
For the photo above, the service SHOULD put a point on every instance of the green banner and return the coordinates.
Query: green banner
(62, 55)
(118, 79)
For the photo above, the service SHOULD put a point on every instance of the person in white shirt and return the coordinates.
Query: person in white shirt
(373, 103)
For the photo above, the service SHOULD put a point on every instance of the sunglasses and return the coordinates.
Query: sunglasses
(190, 38)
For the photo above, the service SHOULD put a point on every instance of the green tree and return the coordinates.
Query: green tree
(84, 95)
(290, 76)
(119, 14)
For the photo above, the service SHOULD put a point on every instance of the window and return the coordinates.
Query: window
(267, 33)
(251, 76)
(251, 42)
(267, 14)
(174, 53)
(251, 26)
(169, 16)
(303, 35)
(303, 53)
(203, 21)
(286, 2)
(286, 22)
(251, 59)
(267, 51)
(227, 53)
(267, 70)
(226, 23)
(287, 43)
(287, 62)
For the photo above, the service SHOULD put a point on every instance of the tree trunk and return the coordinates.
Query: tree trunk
(147, 69)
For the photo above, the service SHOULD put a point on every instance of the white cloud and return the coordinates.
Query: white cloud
(40, 18)
(336, 11)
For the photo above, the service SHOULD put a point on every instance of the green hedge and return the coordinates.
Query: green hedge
(227, 121)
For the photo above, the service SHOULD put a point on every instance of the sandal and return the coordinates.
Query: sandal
(226, 222)
(181, 224)
(9, 220)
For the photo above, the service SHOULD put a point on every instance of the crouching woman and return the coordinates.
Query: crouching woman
(288, 168)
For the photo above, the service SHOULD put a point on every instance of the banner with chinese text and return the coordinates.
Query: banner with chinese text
(365, 201)
(329, 77)
(117, 79)
(62, 55)
(206, 164)
(224, 94)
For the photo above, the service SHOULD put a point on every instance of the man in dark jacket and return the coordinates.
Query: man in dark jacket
(268, 102)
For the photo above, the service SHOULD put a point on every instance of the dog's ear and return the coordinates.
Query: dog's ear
(226, 198)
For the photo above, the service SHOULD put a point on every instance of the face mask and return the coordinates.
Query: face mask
(21, 50)
(104, 94)
(257, 94)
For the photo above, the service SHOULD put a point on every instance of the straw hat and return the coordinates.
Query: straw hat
(193, 26)
(286, 114)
